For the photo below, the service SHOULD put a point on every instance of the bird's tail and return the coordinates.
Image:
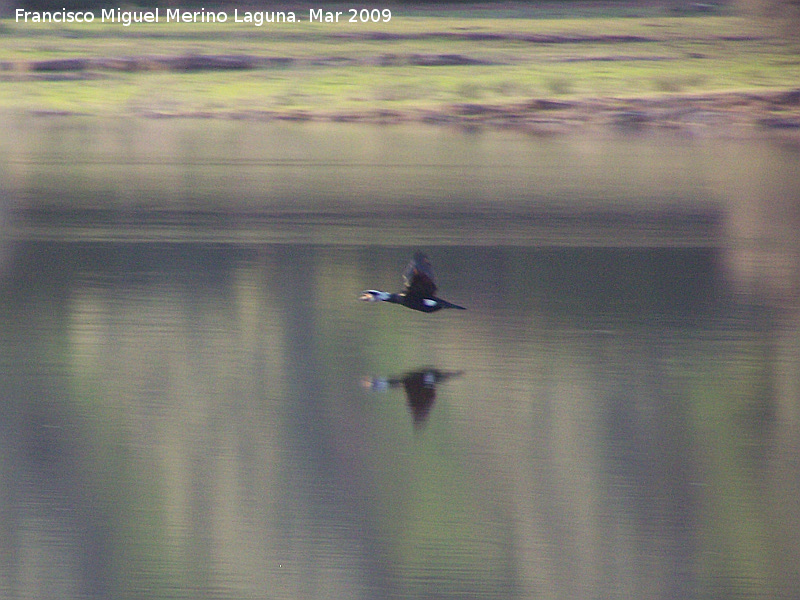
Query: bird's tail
(446, 304)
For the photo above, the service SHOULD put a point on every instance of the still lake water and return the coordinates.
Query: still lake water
(195, 405)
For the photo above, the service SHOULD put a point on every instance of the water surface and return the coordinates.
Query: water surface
(191, 413)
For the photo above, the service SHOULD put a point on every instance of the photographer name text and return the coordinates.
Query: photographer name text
(126, 18)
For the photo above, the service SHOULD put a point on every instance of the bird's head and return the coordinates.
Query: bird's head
(374, 296)
(376, 384)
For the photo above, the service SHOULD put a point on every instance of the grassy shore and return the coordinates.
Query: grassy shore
(539, 74)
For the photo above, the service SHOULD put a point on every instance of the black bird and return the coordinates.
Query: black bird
(419, 386)
(420, 292)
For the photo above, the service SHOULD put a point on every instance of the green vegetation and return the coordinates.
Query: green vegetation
(412, 63)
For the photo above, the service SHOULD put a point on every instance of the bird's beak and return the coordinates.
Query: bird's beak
(367, 296)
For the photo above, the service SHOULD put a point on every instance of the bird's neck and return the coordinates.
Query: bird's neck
(393, 298)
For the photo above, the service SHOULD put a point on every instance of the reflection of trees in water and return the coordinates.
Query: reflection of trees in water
(164, 374)
(419, 386)
(631, 452)
(651, 467)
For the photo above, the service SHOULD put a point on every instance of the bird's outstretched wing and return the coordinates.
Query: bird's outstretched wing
(418, 277)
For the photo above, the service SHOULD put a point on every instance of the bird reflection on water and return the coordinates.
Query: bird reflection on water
(420, 388)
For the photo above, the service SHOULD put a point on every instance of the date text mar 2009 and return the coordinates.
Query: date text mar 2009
(352, 15)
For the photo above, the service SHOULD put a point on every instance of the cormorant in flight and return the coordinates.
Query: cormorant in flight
(420, 289)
